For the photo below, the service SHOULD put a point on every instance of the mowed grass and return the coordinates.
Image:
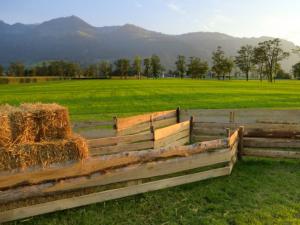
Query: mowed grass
(103, 99)
(260, 191)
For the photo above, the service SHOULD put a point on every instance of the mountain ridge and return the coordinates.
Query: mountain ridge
(71, 38)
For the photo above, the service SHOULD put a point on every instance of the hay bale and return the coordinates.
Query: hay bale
(43, 153)
(33, 123)
(5, 129)
(51, 120)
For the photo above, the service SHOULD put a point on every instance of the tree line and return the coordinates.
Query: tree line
(262, 60)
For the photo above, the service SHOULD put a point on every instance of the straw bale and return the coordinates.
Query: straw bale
(43, 153)
(51, 120)
(33, 123)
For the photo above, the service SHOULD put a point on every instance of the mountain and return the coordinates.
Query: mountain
(71, 38)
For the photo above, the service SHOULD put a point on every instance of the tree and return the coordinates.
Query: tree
(181, 66)
(91, 71)
(259, 61)
(228, 65)
(156, 66)
(1, 70)
(105, 69)
(71, 69)
(147, 67)
(296, 70)
(17, 69)
(272, 54)
(197, 68)
(122, 67)
(32, 72)
(137, 66)
(281, 74)
(42, 70)
(244, 59)
(221, 64)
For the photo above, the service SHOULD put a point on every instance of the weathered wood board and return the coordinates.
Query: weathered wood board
(58, 205)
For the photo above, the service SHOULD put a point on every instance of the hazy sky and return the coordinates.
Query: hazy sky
(242, 18)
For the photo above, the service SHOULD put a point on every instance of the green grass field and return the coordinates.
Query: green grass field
(102, 99)
(260, 191)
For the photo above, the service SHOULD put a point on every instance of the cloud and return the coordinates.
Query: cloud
(176, 8)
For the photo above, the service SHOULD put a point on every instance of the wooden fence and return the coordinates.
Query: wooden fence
(267, 133)
(144, 132)
(136, 171)
(148, 153)
(142, 123)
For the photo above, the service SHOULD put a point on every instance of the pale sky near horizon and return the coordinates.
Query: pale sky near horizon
(240, 18)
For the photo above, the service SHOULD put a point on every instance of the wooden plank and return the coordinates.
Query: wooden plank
(124, 123)
(146, 126)
(270, 153)
(91, 124)
(170, 139)
(167, 131)
(251, 130)
(180, 142)
(102, 163)
(63, 204)
(93, 143)
(271, 143)
(164, 123)
(243, 115)
(143, 127)
(121, 148)
(96, 133)
(135, 172)
(241, 142)
(214, 131)
(200, 138)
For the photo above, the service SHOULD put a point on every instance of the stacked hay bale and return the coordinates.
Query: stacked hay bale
(37, 135)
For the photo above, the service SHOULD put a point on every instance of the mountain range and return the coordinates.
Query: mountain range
(71, 38)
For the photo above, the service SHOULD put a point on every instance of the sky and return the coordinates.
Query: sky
(240, 18)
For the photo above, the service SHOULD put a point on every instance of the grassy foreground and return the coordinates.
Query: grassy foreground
(260, 191)
(103, 99)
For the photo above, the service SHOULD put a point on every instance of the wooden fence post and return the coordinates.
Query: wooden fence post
(152, 130)
(241, 142)
(151, 121)
(191, 128)
(178, 114)
(115, 123)
(228, 132)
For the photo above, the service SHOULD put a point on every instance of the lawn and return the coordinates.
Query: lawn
(260, 191)
(103, 99)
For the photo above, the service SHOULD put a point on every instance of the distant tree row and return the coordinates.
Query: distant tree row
(262, 60)
(149, 67)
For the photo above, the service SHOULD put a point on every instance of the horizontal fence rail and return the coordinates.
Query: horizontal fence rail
(153, 151)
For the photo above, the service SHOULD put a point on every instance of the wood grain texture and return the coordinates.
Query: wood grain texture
(270, 153)
(107, 150)
(125, 123)
(167, 141)
(243, 116)
(101, 163)
(134, 172)
(250, 130)
(94, 143)
(271, 143)
(68, 203)
(170, 130)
